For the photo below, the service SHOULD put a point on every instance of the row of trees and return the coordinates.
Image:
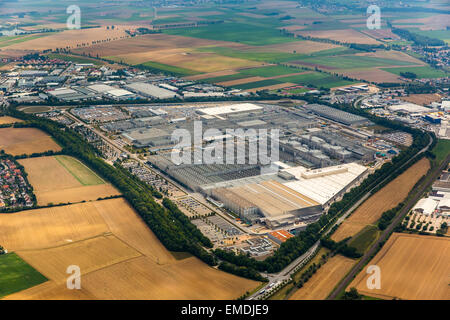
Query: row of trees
(417, 38)
(340, 247)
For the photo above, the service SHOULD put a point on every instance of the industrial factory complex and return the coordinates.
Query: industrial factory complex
(322, 154)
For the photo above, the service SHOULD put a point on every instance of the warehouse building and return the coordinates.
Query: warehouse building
(150, 90)
(337, 115)
(224, 111)
(325, 185)
(147, 137)
(276, 203)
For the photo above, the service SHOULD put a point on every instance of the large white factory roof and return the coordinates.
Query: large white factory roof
(100, 88)
(426, 206)
(242, 107)
(119, 92)
(151, 90)
(408, 107)
(323, 184)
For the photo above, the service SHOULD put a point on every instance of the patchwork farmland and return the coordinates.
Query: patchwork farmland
(120, 246)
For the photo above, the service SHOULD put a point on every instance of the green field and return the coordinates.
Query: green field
(364, 238)
(251, 34)
(421, 72)
(230, 77)
(257, 84)
(17, 275)
(312, 79)
(437, 34)
(82, 173)
(270, 71)
(167, 68)
(316, 79)
(273, 57)
(254, 55)
(441, 150)
(353, 62)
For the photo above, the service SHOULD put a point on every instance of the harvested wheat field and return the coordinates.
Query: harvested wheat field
(63, 179)
(8, 120)
(412, 267)
(211, 75)
(274, 87)
(119, 257)
(423, 98)
(300, 47)
(71, 38)
(325, 279)
(371, 74)
(148, 43)
(90, 255)
(18, 141)
(344, 35)
(186, 58)
(386, 198)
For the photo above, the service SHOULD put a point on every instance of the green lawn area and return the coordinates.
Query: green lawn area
(256, 34)
(74, 59)
(421, 72)
(17, 275)
(167, 68)
(364, 238)
(82, 173)
(441, 150)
